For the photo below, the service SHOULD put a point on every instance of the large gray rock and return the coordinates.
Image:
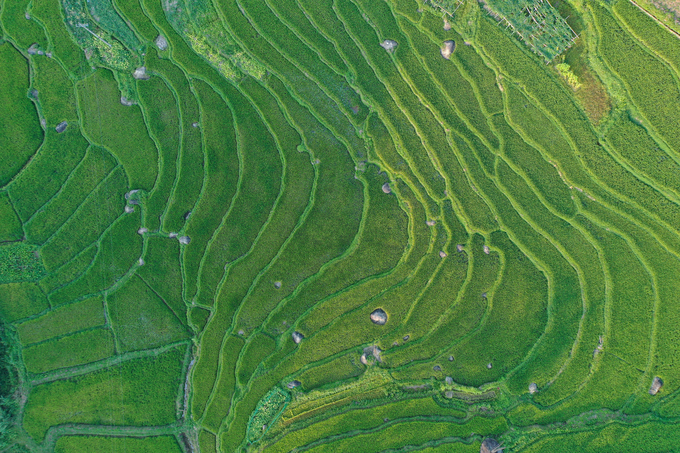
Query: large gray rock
(657, 383)
(447, 48)
(140, 73)
(379, 317)
(490, 445)
(61, 127)
(389, 45)
(298, 337)
(161, 42)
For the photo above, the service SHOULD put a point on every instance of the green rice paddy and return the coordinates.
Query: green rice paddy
(338, 226)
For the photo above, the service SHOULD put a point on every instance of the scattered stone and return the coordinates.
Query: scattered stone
(141, 261)
(297, 337)
(61, 127)
(657, 383)
(43, 122)
(363, 359)
(33, 93)
(142, 230)
(386, 188)
(406, 337)
(27, 16)
(194, 124)
(460, 247)
(442, 254)
(130, 193)
(277, 285)
(389, 45)
(293, 384)
(126, 101)
(533, 388)
(386, 420)
(47, 54)
(449, 380)
(379, 317)
(161, 42)
(184, 240)
(447, 25)
(487, 250)
(436, 368)
(489, 366)
(431, 222)
(484, 295)
(241, 332)
(187, 215)
(448, 394)
(172, 235)
(447, 48)
(450, 358)
(490, 445)
(316, 162)
(129, 209)
(34, 50)
(140, 73)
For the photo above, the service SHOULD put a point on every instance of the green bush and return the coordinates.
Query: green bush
(268, 410)
(20, 262)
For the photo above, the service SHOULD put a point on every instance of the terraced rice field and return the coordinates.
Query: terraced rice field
(338, 225)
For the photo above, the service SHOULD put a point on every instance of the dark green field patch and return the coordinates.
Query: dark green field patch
(10, 225)
(20, 132)
(138, 392)
(397, 435)
(88, 444)
(162, 113)
(69, 271)
(162, 273)
(101, 208)
(91, 171)
(56, 93)
(22, 30)
(362, 418)
(117, 127)
(21, 300)
(222, 171)
(64, 320)
(47, 171)
(141, 319)
(72, 350)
